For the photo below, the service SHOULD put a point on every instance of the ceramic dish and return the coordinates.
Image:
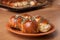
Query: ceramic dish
(26, 34)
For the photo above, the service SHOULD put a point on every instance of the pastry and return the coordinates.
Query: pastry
(30, 24)
(15, 21)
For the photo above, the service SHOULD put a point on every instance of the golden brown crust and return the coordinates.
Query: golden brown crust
(18, 3)
(28, 24)
(30, 27)
(14, 22)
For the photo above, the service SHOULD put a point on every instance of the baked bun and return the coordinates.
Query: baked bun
(29, 24)
(44, 26)
(15, 21)
(29, 27)
(19, 3)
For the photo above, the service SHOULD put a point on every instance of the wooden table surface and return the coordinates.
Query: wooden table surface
(51, 13)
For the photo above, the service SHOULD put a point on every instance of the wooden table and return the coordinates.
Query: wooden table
(51, 13)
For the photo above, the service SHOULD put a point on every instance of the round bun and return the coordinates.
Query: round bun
(29, 27)
(44, 26)
(15, 21)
